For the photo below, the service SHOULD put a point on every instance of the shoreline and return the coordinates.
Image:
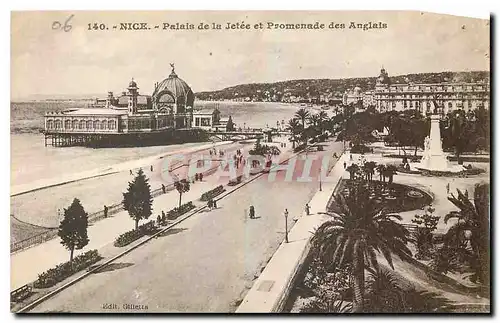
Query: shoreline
(106, 170)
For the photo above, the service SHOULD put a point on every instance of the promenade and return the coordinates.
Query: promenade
(102, 171)
(207, 263)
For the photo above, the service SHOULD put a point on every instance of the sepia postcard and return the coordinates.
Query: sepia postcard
(249, 162)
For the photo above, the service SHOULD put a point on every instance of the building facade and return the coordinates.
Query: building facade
(429, 98)
(169, 107)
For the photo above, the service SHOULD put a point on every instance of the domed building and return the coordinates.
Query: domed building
(173, 96)
(383, 78)
(136, 117)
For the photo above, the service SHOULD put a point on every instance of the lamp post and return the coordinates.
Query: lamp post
(320, 181)
(286, 225)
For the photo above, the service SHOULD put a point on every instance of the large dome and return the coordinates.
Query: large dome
(174, 90)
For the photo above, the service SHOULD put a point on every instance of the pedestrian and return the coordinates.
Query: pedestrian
(158, 219)
(345, 165)
(151, 168)
(448, 188)
(201, 177)
(209, 203)
(196, 177)
(131, 172)
(215, 204)
(308, 209)
(210, 153)
(163, 188)
(350, 157)
(105, 211)
(252, 212)
(163, 217)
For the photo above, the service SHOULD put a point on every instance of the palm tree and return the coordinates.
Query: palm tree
(302, 114)
(369, 169)
(381, 172)
(294, 128)
(322, 120)
(472, 226)
(354, 235)
(181, 186)
(390, 171)
(385, 295)
(352, 169)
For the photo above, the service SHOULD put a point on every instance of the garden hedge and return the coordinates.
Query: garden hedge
(62, 271)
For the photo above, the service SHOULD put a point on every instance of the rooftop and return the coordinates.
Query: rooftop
(95, 111)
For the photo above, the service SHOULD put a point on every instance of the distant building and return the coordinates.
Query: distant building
(352, 96)
(442, 97)
(206, 118)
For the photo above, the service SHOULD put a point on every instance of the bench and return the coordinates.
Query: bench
(21, 293)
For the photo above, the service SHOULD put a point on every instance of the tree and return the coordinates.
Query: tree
(369, 169)
(358, 230)
(353, 169)
(294, 128)
(73, 228)
(322, 120)
(472, 226)
(409, 128)
(302, 114)
(182, 186)
(390, 171)
(381, 172)
(230, 124)
(137, 200)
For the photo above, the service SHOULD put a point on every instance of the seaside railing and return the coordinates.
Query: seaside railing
(51, 233)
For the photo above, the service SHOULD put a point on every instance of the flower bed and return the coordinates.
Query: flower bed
(361, 149)
(467, 172)
(64, 270)
(212, 193)
(178, 211)
(394, 197)
(237, 180)
(132, 235)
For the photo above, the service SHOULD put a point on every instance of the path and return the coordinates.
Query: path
(206, 264)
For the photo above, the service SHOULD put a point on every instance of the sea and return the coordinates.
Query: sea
(32, 161)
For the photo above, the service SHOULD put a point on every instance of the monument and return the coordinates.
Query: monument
(434, 158)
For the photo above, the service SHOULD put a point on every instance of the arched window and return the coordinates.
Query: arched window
(50, 124)
(82, 124)
(67, 124)
(97, 124)
(58, 124)
(111, 124)
(104, 125)
(89, 124)
(75, 124)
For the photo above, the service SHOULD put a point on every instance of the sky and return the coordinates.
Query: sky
(47, 61)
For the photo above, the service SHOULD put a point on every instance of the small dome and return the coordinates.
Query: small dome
(132, 85)
(383, 77)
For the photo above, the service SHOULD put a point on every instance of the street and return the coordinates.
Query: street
(205, 264)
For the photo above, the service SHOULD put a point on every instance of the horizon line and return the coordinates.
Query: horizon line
(92, 95)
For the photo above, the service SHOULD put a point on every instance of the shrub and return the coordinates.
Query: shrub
(237, 180)
(212, 193)
(360, 149)
(132, 235)
(178, 211)
(62, 271)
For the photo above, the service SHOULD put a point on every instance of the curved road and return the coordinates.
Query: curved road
(205, 264)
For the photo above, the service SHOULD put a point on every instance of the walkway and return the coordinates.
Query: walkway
(204, 265)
